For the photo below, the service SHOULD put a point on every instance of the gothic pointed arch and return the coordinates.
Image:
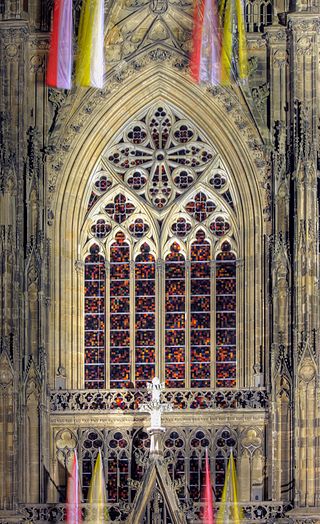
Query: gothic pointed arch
(165, 175)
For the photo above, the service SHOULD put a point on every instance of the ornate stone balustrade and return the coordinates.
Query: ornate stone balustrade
(262, 512)
(131, 399)
(255, 511)
(57, 512)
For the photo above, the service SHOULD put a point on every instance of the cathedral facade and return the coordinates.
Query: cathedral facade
(160, 228)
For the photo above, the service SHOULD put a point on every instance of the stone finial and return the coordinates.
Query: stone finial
(155, 408)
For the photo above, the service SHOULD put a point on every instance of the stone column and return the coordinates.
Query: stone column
(280, 433)
(303, 89)
(14, 33)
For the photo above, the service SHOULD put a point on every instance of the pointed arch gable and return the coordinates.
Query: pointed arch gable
(69, 204)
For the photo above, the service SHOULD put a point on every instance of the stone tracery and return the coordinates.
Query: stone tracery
(180, 248)
(160, 155)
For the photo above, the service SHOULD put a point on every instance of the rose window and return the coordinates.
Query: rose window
(160, 156)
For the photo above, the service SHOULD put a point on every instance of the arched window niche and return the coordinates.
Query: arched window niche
(169, 234)
(161, 279)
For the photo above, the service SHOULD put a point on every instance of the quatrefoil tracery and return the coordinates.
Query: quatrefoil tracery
(160, 156)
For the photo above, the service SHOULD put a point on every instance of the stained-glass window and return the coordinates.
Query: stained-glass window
(117, 468)
(94, 319)
(101, 184)
(228, 198)
(226, 317)
(181, 227)
(145, 319)
(125, 451)
(100, 229)
(218, 181)
(135, 300)
(200, 207)
(200, 333)
(91, 444)
(220, 226)
(92, 200)
(175, 321)
(175, 457)
(199, 443)
(160, 155)
(161, 202)
(119, 312)
(224, 442)
(138, 228)
(120, 209)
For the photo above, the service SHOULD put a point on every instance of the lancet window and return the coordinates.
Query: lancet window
(125, 452)
(119, 312)
(258, 15)
(94, 319)
(175, 323)
(160, 253)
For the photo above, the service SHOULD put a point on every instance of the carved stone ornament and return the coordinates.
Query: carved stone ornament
(160, 155)
(65, 132)
(280, 58)
(66, 439)
(304, 45)
(11, 51)
(37, 63)
(164, 21)
(307, 370)
(251, 440)
(5, 371)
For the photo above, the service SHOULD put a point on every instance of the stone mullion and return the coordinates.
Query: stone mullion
(79, 297)
(243, 380)
(187, 322)
(163, 334)
(107, 324)
(213, 316)
(160, 319)
(132, 321)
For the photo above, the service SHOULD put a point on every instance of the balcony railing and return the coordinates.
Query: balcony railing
(130, 399)
(261, 512)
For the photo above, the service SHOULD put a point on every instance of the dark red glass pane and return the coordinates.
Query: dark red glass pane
(94, 319)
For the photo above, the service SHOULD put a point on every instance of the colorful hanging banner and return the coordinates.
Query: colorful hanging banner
(242, 42)
(229, 510)
(208, 514)
(234, 59)
(90, 60)
(60, 55)
(74, 494)
(206, 50)
(97, 497)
